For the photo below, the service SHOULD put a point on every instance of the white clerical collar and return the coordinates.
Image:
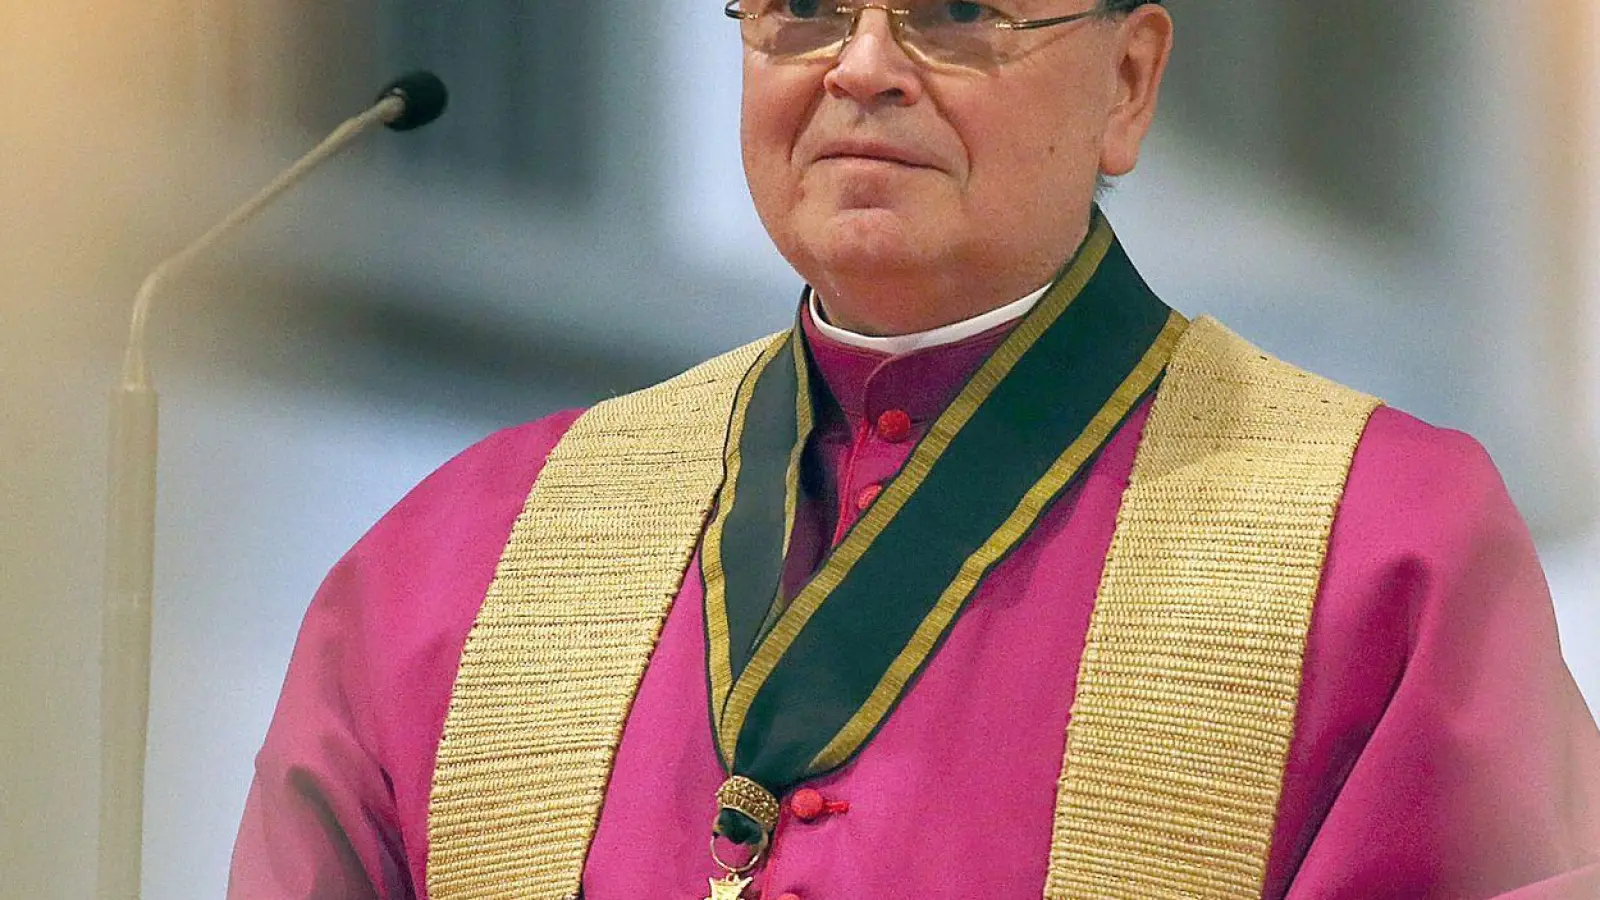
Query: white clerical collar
(901, 344)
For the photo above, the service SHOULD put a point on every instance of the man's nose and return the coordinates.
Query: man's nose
(873, 68)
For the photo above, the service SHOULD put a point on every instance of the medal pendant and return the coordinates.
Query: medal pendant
(729, 887)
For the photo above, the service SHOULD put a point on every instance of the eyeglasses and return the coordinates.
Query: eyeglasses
(943, 34)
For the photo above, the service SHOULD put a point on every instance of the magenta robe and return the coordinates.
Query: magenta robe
(1441, 749)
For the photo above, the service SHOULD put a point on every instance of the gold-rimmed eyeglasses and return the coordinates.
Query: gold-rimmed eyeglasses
(944, 34)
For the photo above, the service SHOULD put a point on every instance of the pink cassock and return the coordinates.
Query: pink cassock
(1441, 751)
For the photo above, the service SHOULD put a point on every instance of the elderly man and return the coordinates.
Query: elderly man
(993, 577)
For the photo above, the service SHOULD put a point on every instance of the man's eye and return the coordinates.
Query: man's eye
(965, 12)
(802, 9)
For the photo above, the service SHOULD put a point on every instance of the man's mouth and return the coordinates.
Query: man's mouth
(875, 151)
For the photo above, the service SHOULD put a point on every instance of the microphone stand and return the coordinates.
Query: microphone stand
(131, 510)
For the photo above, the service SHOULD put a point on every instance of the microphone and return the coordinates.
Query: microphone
(410, 102)
(424, 96)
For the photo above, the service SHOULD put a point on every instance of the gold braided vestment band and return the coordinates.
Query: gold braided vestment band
(565, 632)
(1190, 678)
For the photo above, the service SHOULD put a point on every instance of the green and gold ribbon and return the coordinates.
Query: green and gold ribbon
(798, 688)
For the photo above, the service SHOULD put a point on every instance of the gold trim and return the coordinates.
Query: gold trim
(912, 474)
(1191, 672)
(719, 656)
(1021, 520)
(553, 663)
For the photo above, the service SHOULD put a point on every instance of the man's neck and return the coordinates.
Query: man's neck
(878, 301)
(883, 310)
(896, 345)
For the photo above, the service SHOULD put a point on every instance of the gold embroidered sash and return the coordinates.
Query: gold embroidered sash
(1154, 803)
(1191, 673)
(559, 648)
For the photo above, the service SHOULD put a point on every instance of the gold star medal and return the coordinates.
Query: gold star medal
(729, 887)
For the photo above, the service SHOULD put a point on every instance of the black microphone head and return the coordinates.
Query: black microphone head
(425, 97)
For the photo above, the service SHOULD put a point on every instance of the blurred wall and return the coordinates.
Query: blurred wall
(1392, 195)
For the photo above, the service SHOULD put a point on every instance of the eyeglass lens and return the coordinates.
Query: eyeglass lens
(941, 32)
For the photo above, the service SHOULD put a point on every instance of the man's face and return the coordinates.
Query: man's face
(874, 164)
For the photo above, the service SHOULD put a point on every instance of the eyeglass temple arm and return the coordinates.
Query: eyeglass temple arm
(1031, 24)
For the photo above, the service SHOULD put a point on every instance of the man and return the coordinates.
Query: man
(945, 593)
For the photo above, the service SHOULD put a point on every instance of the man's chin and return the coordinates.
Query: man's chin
(876, 234)
(871, 250)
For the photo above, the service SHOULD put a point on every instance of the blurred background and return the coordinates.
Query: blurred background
(1396, 195)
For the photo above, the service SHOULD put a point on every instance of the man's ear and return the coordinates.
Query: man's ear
(1143, 46)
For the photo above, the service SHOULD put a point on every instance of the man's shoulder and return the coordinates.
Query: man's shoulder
(510, 459)
(489, 479)
(1412, 467)
(1235, 372)
(716, 373)
(1414, 485)
(1408, 449)
(1406, 459)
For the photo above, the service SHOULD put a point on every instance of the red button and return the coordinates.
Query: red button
(807, 804)
(868, 495)
(894, 425)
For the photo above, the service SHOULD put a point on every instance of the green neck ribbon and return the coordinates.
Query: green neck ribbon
(798, 689)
